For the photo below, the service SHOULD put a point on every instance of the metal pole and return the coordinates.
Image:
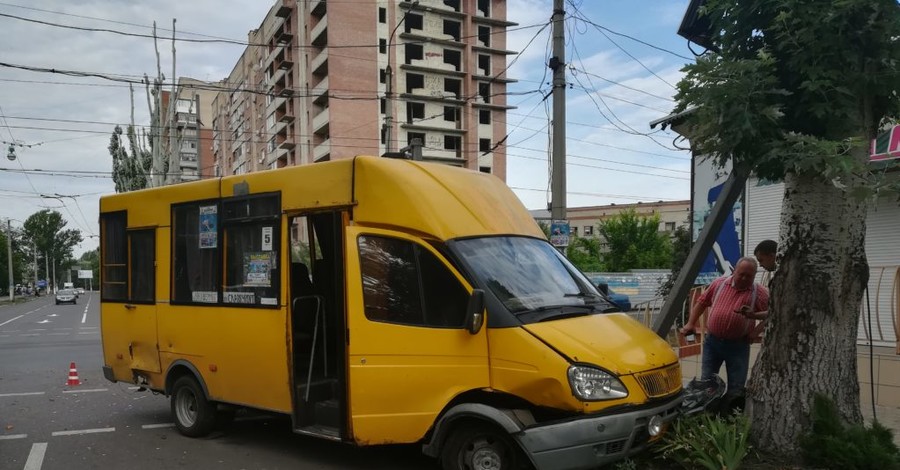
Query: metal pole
(34, 249)
(388, 129)
(9, 258)
(558, 64)
(54, 274)
(47, 271)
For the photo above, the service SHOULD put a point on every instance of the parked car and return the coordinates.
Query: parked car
(79, 290)
(621, 300)
(66, 296)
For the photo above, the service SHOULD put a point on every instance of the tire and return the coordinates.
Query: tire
(478, 446)
(194, 415)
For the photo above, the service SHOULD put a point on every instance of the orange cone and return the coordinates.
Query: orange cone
(73, 375)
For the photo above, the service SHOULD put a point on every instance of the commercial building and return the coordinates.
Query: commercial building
(331, 80)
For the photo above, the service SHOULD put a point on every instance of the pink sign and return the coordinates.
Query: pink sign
(886, 146)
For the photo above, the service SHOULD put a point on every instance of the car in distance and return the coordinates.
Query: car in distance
(621, 300)
(79, 290)
(66, 296)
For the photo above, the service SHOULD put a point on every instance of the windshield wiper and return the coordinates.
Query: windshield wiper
(544, 308)
(582, 295)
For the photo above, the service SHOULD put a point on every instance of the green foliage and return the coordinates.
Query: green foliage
(130, 172)
(707, 441)
(90, 260)
(634, 241)
(797, 87)
(584, 253)
(681, 247)
(46, 230)
(831, 444)
(545, 227)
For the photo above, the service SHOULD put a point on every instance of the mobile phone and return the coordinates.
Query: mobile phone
(690, 337)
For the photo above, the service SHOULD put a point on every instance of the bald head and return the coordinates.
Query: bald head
(745, 272)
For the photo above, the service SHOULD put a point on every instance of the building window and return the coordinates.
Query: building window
(415, 135)
(453, 58)
(588, 230)
(484, 35)
(383, 105)
(451, 113)
(452, 29)
(414, 81)
(484, 64)
(484, 169)
(414, 111)
(382, 15)
(382, 76)
(454, 4)
(484, 90)
(413, 21)
(484, 6)
(405, 283)
(413, 52)
(484, 145)
(574, 230)
(670, 226)
(382, 46)
(453, 86)
(484, 116)
(452, 142)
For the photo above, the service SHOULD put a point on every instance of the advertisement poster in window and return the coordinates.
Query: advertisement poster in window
(257, 269)
(208, 230)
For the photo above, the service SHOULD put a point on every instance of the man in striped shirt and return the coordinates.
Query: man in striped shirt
(732, 301)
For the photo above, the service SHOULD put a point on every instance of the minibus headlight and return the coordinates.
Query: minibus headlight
(589, 383)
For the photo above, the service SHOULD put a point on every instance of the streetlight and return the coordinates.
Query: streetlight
(12, 153)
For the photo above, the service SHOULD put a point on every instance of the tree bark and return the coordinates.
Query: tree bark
(810, 343)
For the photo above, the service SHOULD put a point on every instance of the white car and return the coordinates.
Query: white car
(66, 296)
(79, 290)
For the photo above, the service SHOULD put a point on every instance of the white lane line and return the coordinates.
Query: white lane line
(36, 456)
(86, 390)
(31, 334)
(58, 334)
(10, 437)
(21, 394)
(84, 317)
(79, 432)
(89, 327)
(133, 388)
(158, 426)
(62, 329)
(38, 329)
(14, 319)
(87, 332)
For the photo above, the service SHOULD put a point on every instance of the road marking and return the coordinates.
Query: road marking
(36, 456)
(89, 327)
(31, 334)
(84, 317)
(87, 332)
(61, 329)
(79, 432)
(87, 390)
(22, 394)
(13, 436)
(58, 334)
(44, 321)
(38, 329)
(158, 426)
(14, 319)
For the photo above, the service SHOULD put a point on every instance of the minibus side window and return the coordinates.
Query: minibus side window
(142, 283)
(114, 262)
(405, 283)
(195, 254)
(251, 231)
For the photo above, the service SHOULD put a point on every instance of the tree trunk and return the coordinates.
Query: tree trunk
(810, 343)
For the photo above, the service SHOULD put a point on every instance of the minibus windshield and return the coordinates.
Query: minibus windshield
(528, 274)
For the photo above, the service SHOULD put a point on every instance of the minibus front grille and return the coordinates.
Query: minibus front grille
(661, 382)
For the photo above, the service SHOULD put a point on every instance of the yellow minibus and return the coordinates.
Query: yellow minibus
(377, 301)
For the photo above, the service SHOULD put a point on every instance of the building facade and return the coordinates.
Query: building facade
(192, 158)
(325, 80)
(583, 221)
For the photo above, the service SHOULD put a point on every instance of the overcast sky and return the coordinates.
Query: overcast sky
(66, 121)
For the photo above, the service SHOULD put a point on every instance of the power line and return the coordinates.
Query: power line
(611, 196)
(602, 168)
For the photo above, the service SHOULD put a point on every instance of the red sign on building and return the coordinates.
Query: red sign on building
(886, 146)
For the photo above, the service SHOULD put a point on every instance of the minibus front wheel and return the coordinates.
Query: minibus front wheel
(478, 446)
(193, 414)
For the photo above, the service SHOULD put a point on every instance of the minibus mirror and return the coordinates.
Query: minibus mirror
(475, 311)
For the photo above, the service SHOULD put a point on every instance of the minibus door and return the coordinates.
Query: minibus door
(409, 352)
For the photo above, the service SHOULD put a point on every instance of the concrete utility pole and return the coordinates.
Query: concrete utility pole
(558, 65)
(9, 258)
(47, 272)
(388, 128)
(34, 250)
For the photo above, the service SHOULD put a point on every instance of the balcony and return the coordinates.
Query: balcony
(286, 64)
(317, 8)
(277, 77)
(319, 93)
(283, 37)
(278, 127)
(319, 64)
(321, 122)
(273, 54)
(322, 151)
(319, 34)
(287, 144)
(276, 103)
(287, 117)
(276, 155)
(283, 10)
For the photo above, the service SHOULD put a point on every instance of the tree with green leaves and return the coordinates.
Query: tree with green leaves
(584, 253)
(51, 239)
(796, 92)
(130, 171)
(633, 241)
(90, 260)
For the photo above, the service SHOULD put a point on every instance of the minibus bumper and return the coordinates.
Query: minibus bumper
(589, 442)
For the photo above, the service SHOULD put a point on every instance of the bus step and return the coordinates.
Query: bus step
(328, 413)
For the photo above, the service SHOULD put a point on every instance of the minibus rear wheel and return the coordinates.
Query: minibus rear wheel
(193, 414)
(479, 446)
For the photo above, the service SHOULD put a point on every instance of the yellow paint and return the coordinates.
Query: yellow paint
(399, 378)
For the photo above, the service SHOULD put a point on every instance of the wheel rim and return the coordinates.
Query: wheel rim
(483, 454)
(186, 407)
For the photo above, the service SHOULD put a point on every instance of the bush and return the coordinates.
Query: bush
(707, 441)
(831, 444)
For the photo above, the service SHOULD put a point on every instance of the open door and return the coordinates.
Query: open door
(409, 351)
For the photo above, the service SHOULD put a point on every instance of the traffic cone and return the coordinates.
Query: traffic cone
(73, 375)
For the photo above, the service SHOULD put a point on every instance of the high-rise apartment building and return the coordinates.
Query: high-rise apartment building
(313, 85)
(192, 140)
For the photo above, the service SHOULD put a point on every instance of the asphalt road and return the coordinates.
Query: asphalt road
(46, 424)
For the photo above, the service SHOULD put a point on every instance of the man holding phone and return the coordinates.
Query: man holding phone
(733, 302)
